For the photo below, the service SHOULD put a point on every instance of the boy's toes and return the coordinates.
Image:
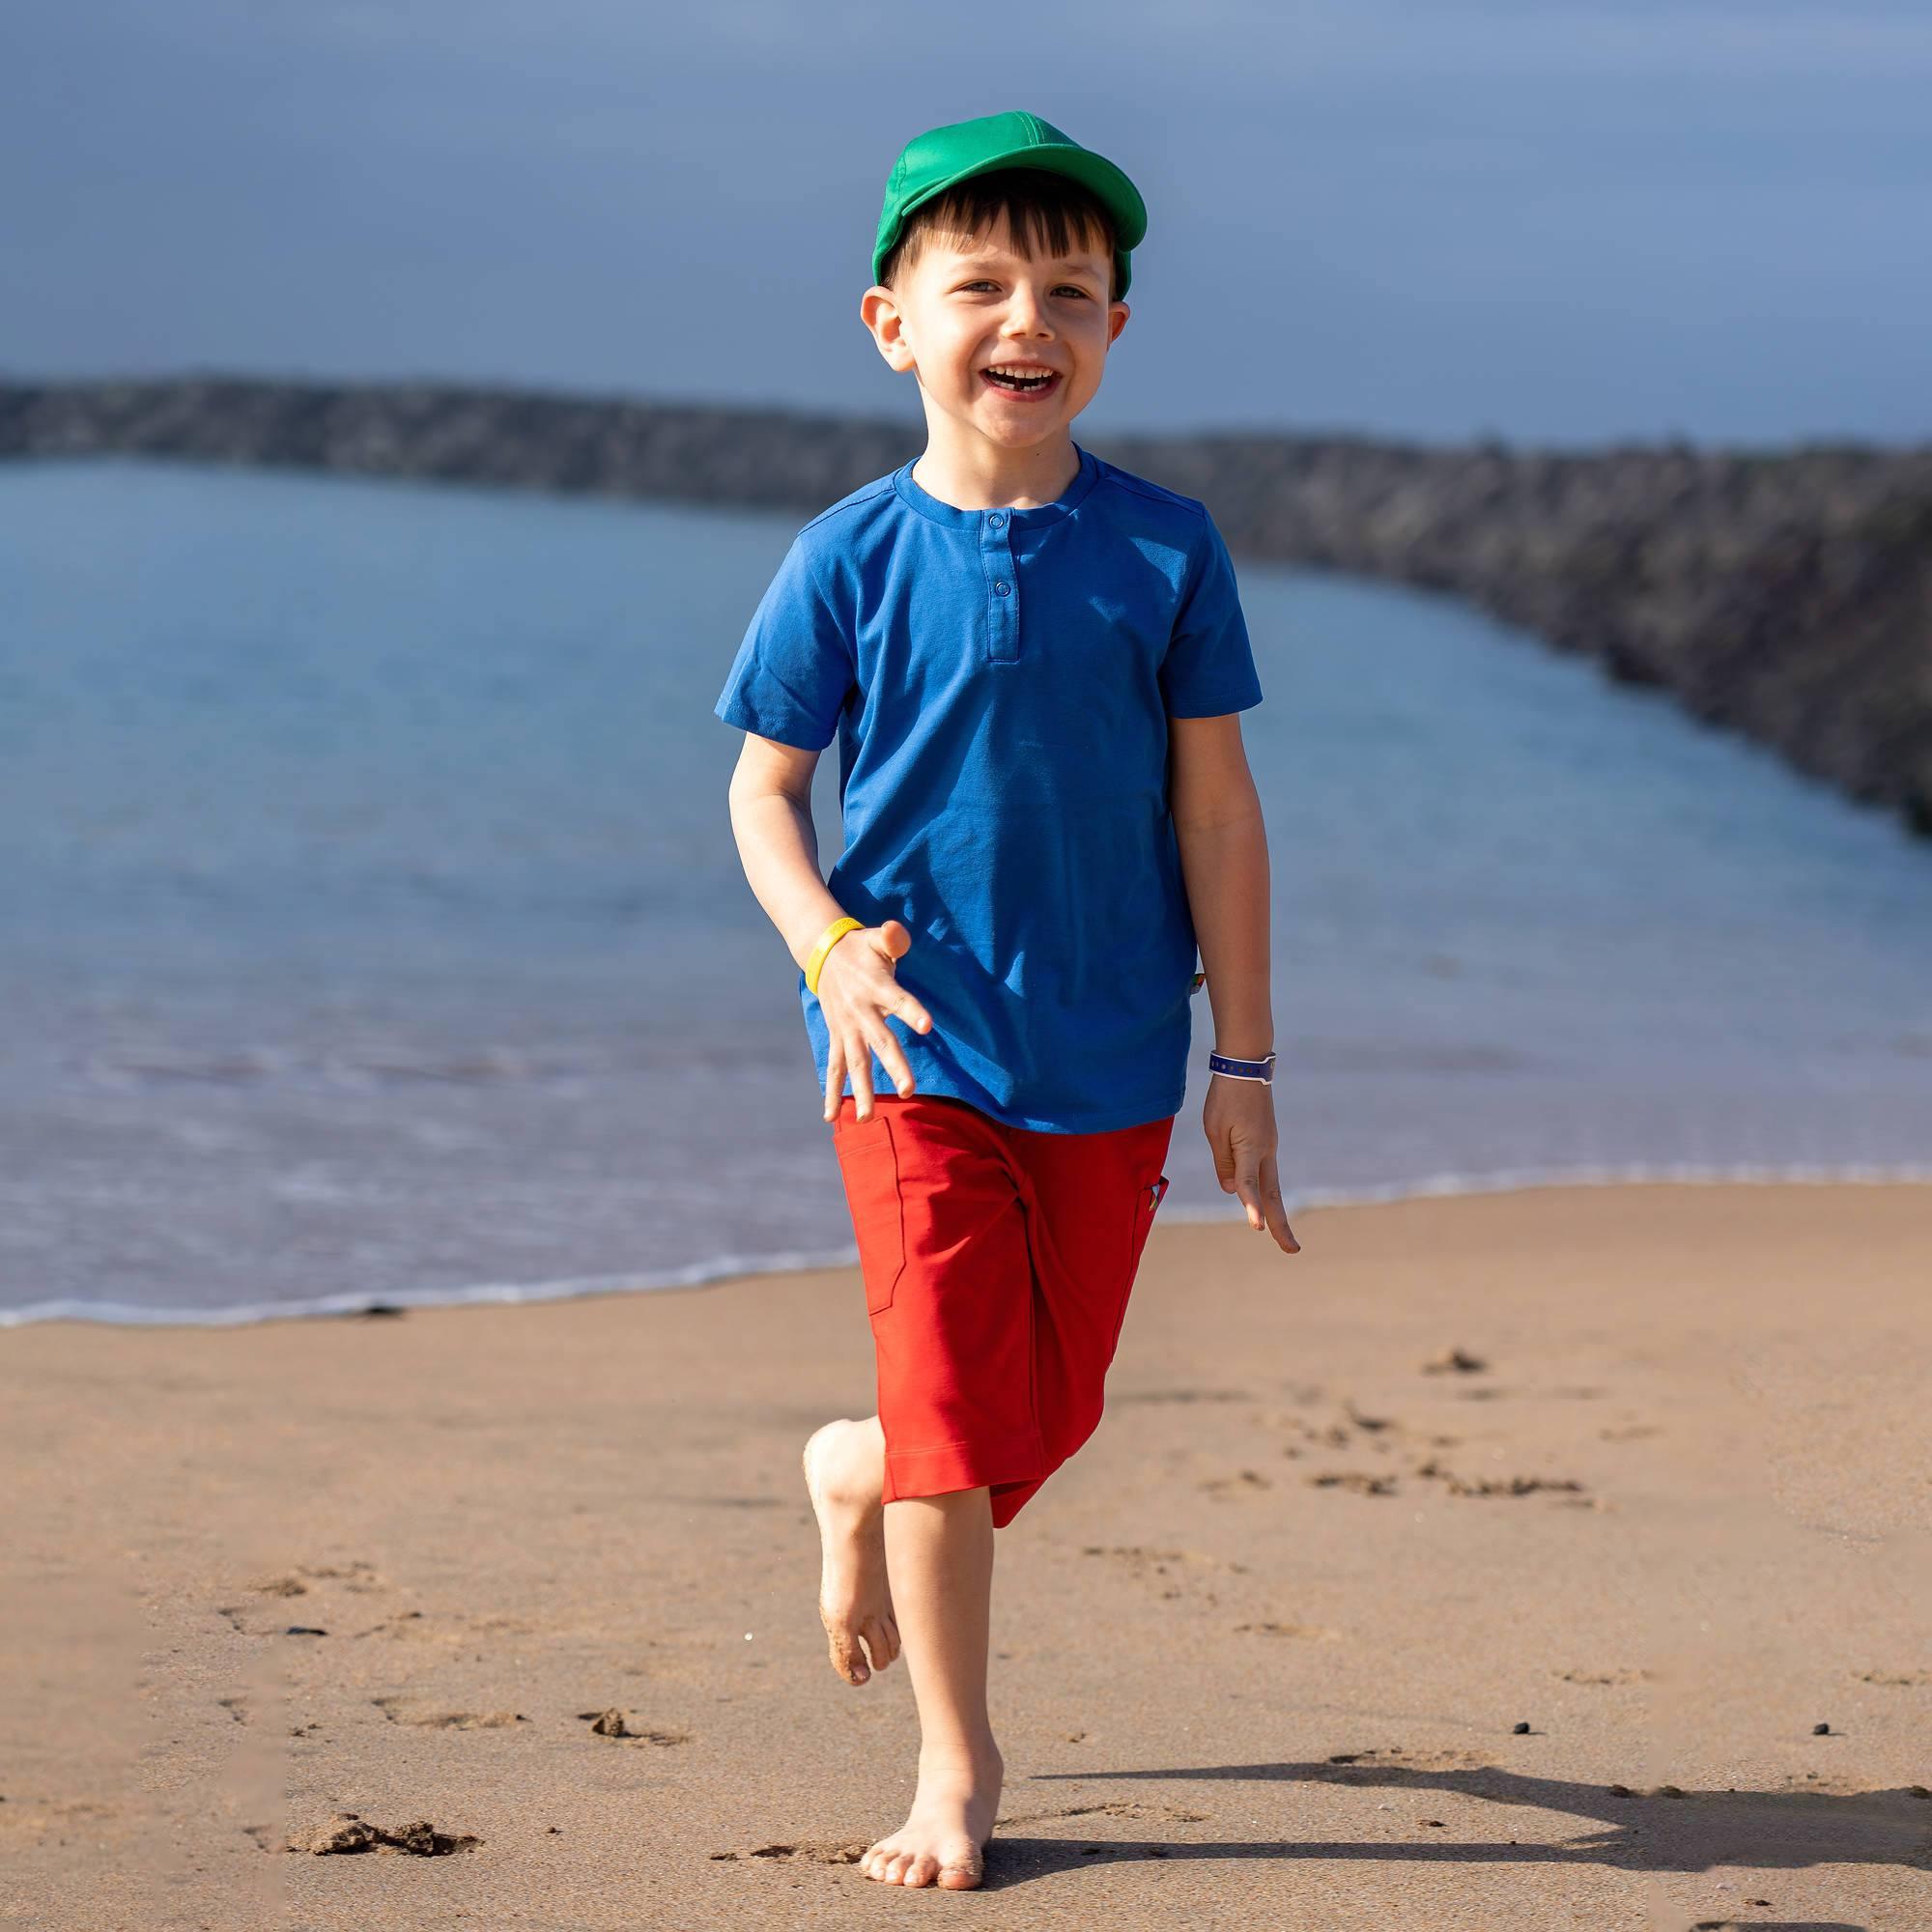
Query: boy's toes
(881, 1645)
(957, 1875)
(846, 1657)
(923, 1870)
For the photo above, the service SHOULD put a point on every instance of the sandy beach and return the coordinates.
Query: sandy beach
(1491, 1562)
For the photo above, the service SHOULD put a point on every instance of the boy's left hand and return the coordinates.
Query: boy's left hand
(1239, 1120)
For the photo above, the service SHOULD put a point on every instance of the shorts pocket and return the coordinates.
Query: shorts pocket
(869, 1166)
(1148, 1196)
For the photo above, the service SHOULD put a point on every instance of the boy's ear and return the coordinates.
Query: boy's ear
(879, 311)
(1116, 320)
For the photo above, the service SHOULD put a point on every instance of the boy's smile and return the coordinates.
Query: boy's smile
(1007, 351)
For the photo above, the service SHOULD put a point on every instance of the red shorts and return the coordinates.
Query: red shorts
(997, 1264)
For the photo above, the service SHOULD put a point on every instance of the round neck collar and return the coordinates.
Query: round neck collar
(954, 518)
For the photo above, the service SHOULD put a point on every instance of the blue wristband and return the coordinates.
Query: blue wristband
(1243, 1069)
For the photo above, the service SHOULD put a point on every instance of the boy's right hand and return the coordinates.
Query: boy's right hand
(857, 987)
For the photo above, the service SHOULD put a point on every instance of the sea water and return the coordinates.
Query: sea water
(371, 928)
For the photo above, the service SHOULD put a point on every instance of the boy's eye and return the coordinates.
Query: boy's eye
(1066, 288)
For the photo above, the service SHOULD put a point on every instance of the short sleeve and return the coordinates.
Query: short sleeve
(1210, 665)
(795, 666)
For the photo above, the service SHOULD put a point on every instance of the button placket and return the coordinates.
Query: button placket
(1003, 590)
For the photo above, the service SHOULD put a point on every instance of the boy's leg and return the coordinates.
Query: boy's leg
(941, 1551)
(844, 1473)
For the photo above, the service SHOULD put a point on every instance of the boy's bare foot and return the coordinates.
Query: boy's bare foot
(854, 1598)
(943, 1840)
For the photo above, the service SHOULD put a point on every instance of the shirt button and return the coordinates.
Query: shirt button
(996, 521)
(1000, 586)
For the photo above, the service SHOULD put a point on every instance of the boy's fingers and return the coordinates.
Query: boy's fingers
(834, 1079)
(1248, 1187)
(894, 1055)
(913, 1013)
(1277, 1210)
(862, 1080)
(1225, 1163)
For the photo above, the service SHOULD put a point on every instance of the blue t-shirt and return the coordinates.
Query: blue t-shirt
(999, 682)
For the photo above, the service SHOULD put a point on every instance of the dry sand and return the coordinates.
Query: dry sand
(1263, 1648)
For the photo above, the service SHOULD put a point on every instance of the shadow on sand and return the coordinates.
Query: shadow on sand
(1691, 1832)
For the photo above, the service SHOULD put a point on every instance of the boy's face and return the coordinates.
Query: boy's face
(973, 303)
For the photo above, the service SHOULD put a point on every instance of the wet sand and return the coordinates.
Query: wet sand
(1321, 1629)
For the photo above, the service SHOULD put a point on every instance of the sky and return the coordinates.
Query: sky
(1558, 224)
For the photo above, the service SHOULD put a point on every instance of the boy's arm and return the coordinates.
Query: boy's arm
(770, 800)
(1224, 862)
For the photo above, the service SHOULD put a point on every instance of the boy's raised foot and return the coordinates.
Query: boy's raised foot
(844, 1470)
(944, 1837)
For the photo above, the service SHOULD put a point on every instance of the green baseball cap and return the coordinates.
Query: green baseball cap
(932, 162)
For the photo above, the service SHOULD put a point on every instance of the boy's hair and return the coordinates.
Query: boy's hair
(1042, 210)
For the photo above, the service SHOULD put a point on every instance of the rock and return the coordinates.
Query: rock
(345, 1833)
(348, 1833)
(423, 1840)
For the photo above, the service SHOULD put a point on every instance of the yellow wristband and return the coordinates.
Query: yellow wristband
(827, 940)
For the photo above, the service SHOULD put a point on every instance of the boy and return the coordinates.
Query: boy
(1033, 662)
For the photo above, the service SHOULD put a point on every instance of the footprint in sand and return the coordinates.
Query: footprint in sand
(1329, 1435)
(1309, 1632)
(1361, 1481)
(1246, 1484)
(1511, 1486)
(824, 1852)
(1113, 1807)
(238, 1620)
(1373, 1424)
(403, 1711)
(362, 1577)
(450, 1629)
(1497, 1486)
(1141, 1562)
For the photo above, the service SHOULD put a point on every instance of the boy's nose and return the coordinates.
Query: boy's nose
(1026, 308)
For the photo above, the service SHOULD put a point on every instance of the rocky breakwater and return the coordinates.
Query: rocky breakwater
(1786, 594)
